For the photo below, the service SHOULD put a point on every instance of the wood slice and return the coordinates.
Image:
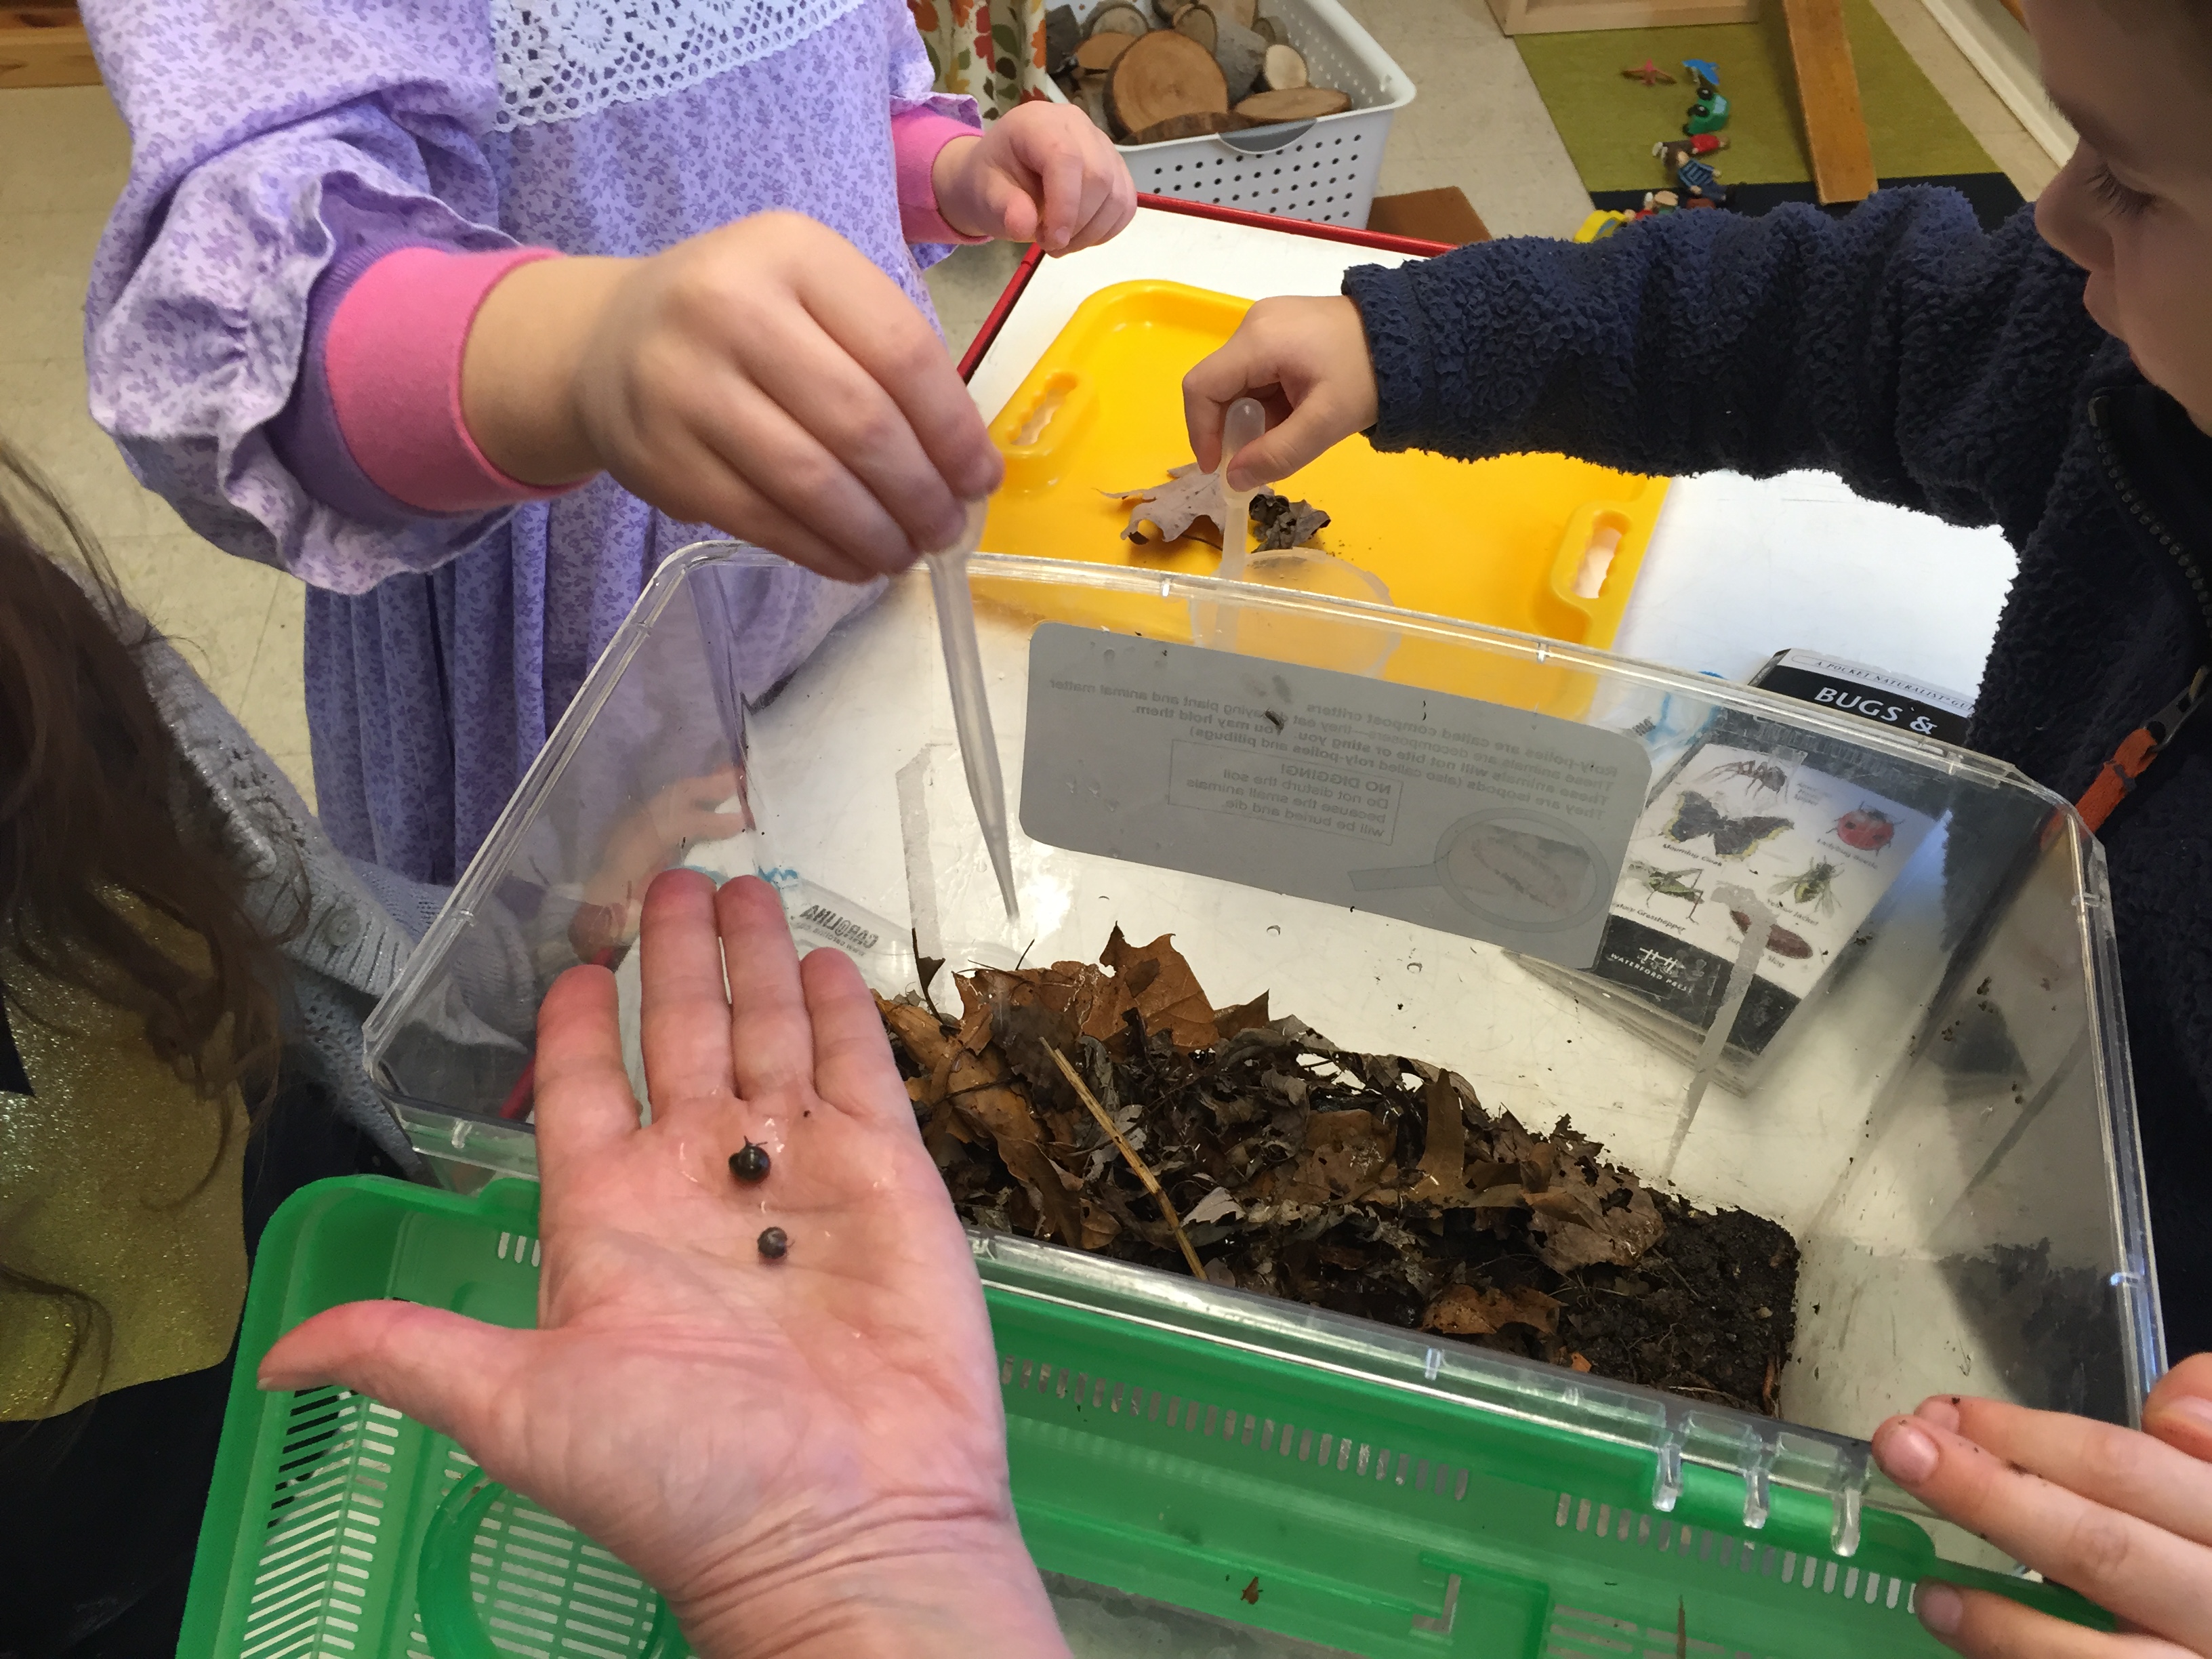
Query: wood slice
(1284, 69)
(1166, 73)
(1240, 53)
(1239, 12)
(1119, 17)
(1091, 99)
(1198, 23)
(1100, 50)
(1268, 29)
(1189, 126)
(1297, 104)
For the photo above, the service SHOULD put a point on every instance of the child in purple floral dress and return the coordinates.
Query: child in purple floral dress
(329, 322)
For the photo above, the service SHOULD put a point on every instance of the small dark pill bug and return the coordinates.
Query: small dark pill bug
(749, 1163)
(774, 1242)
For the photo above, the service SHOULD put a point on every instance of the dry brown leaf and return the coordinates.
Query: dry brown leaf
(1002, 1114)
(1463, 1310)
(1166, 993)
(1443, 1159)
(1188, 498)
(1244, 1017)
(1618, 1234)
(918, 1029)
(1100, 1228)
(1346, 1156)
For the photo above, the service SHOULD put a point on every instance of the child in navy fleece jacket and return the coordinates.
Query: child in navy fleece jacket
(2054, 378)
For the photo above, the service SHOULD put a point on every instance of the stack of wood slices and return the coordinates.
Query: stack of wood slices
(1180, 69)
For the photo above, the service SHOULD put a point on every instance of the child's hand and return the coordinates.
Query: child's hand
(2123, 1518)
(1040, 172)
(1306, 361)
(764, 378)
(805, 1456)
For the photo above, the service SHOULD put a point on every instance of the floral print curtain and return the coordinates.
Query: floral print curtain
(991, 50)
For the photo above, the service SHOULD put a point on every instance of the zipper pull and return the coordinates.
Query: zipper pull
(2116, 779)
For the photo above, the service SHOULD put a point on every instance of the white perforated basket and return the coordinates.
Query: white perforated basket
(1323, 169)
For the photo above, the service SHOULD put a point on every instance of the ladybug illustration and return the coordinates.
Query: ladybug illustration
(1867, 827)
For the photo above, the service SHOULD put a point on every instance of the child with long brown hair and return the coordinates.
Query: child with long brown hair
(167, 988)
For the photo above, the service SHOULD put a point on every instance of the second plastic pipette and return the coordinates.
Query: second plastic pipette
(971, 713)
(1245, 422)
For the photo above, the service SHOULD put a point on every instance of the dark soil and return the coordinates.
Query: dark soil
(1372, 1184)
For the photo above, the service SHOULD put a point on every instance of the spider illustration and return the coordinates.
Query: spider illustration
(1764, 777)
(1811, 888)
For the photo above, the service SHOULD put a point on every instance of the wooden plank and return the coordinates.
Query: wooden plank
(44, 47)
(1828, 95)
(1560, 16)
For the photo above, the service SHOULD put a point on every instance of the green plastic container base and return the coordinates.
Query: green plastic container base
(1259, 1489)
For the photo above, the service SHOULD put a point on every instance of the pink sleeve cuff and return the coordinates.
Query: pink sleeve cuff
(393, 361)
(917, 134)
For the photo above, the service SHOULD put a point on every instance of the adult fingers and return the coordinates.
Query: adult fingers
(2118, 1467)
(2179, 1409)
(439, 1369)
(1990, 1626)
(873, 322)
(2145, 1575)
(683, 1021)
(771, 1034)
(584, 1104)
(853, 1065)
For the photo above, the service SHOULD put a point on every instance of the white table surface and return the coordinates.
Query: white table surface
(1738, 567)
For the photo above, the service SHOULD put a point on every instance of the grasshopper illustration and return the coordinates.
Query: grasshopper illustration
(1671, 883)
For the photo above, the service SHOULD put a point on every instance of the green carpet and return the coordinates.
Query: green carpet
(1610, 123)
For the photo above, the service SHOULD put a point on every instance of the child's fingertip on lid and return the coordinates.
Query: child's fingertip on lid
(2186, 1419)
(1941, 1609)
(1905, 1451)
(1942, 1410)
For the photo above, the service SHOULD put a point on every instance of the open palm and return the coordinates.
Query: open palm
(783, 1447)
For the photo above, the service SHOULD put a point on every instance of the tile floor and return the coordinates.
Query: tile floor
(63, 155)
(1477, 123)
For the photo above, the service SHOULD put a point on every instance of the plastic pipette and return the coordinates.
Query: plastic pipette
(1245, 422)
(971, 713)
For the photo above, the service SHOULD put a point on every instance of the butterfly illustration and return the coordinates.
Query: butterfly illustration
(1695, 815)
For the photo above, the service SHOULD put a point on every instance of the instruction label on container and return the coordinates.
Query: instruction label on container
(1467, 816)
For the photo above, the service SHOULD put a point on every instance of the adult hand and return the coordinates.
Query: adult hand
(764, 378)
(2124, 1518)
(1306, 361)
(1041, 172)
(805, 1456)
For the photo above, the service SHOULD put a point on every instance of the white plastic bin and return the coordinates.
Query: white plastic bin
(1324, 169)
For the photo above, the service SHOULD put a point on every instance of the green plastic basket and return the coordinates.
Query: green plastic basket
(1296, 1472)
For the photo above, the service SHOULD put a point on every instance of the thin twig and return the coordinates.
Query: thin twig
(1151, 1181)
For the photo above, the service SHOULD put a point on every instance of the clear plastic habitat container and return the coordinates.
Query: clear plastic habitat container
(1937, 1105)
